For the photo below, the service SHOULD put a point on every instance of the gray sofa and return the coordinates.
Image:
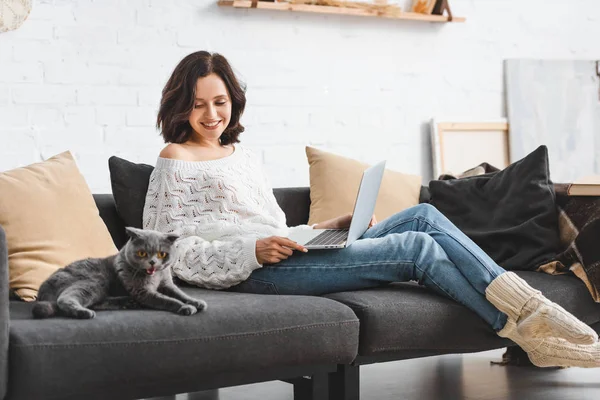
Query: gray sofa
(316, 343)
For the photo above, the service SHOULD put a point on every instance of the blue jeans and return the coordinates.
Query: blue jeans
(418, 244)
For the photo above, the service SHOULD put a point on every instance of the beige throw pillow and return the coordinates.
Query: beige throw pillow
(334, 182)
(50, 219)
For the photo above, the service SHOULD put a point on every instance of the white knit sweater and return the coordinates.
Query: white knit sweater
(220, 208)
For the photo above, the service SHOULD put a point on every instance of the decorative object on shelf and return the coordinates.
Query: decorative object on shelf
(440, 7)
(453, 145)
(434, 7)
(423, 6)
(555, 102)
(381, 7)
(13, 13)
(377, 8)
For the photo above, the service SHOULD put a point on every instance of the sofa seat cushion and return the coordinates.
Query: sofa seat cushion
(404, 317)
(134, 348)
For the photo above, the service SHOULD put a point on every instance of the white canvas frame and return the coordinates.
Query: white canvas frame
(488, 142)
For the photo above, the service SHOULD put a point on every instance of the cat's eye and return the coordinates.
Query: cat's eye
(142, 253)
(161, 254)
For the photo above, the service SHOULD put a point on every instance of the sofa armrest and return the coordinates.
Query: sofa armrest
(4, 317)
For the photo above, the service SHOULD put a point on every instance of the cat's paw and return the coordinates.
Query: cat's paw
(85, 314)
(187, 309)
(199, 304)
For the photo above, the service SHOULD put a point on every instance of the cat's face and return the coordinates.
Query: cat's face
(149, 250)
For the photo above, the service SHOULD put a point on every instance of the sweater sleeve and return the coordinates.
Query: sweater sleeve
(212, 265)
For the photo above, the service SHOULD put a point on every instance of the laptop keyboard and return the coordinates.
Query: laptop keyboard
(329, 237)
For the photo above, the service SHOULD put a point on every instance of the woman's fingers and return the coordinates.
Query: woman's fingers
(273, 249)
(373, 221)
(274, 259)
(282, 252)
(285, 242)
(277, 257)
(345, 221)
(286, 251)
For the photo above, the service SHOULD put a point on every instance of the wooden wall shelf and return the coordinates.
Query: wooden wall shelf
(266, 5)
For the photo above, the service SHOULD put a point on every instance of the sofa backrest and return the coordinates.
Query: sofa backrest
(295, 203)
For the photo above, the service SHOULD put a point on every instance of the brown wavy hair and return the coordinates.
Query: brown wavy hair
(179, 95)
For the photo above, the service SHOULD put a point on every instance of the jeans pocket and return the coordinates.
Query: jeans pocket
(256, 286)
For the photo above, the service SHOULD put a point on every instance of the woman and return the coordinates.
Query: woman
(214, 193)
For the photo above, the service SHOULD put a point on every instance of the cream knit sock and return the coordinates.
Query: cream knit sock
(535, 315)
(552, 351)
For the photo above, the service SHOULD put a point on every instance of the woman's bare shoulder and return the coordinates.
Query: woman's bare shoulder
(174, 151)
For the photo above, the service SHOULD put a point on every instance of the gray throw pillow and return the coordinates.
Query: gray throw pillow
(129, 183)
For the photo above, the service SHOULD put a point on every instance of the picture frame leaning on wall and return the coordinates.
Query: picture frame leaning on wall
(459, 146)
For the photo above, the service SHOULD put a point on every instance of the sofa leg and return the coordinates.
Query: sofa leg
(315, 387)
(345, 383)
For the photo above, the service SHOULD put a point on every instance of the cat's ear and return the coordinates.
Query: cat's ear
(133, 233)
(172, 238)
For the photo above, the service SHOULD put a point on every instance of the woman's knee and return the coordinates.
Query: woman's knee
(413, 240)
(418, 247)
(427, 211)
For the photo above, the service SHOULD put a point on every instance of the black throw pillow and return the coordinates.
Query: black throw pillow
(129, 182)
(510, 214)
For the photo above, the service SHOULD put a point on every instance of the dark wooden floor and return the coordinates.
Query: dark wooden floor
(452, 377)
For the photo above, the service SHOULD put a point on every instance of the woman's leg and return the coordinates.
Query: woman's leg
(410, 255)
(376, 261)
(536, 316)
(479, 269)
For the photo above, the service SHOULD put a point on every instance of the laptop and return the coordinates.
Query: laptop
(321, 239)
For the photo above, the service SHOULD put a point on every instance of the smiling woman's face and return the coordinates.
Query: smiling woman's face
(212, 109)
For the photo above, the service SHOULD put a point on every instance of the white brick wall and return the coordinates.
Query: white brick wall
(86, 75)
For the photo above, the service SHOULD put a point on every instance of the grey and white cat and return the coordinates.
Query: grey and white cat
(140, 272)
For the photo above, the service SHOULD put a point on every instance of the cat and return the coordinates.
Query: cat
(140, 273)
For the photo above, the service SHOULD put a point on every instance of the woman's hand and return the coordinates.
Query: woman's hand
(341, 222)
(273, 249)
(373, 221)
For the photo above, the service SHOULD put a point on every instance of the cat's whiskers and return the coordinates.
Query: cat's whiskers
(137, 270)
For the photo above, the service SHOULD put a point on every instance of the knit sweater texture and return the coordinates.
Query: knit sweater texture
(220, 208)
